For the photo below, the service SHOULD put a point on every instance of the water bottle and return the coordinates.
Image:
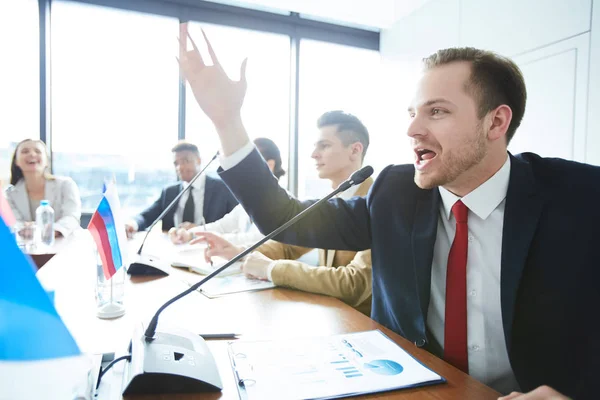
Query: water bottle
(44, 220)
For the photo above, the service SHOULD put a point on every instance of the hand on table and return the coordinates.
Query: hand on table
(130, 229)
(180, 235)
(256, 266)
(217, 246)
(541, 393)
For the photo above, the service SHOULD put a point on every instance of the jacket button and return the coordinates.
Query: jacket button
(420, 342)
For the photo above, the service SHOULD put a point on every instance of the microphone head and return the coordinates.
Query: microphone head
(359, 176)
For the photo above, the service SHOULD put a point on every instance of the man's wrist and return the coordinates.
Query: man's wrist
(232, 134)
(270, 268)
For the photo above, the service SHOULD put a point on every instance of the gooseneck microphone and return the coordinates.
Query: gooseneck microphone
(148, 373)
(357, 178)
(151, 265)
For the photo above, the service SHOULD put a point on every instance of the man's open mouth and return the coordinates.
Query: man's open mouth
(423, 157)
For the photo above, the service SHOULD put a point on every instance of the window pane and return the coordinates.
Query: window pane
(115, 99)
(335, 77)
(20, 77)
(266, 107)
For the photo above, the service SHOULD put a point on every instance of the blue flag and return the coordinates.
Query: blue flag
(30, 327)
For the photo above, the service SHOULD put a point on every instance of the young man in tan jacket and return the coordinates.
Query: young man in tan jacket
(339, 151)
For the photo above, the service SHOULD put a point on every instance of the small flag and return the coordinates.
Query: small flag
(30, 327)
(108, 230)
(39, 359)
(5, 210)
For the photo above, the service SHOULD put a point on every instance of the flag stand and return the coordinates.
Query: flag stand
(113, 288)
(108, 232)
(112, 309)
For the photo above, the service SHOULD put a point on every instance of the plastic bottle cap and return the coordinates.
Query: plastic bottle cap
(44, 203)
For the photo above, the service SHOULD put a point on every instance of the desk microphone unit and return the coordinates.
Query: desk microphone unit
(177, 361)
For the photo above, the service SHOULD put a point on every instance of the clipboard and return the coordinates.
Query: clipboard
(325, 367)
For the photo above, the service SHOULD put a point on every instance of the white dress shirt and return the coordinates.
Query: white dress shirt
(198, 193)
(235, 227)
(488, 355)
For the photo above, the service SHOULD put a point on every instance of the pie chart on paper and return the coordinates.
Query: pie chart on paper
(384, 367)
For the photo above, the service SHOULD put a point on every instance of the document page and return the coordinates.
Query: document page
(325, 367)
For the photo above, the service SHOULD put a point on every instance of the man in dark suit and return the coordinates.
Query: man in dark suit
(207, 201)
(486, 259)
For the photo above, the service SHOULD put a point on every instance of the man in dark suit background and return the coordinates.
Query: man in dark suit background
(486, 259)
(210, 199)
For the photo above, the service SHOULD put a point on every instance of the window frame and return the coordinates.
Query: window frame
(292, 25)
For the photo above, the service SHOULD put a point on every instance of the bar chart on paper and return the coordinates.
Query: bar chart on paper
(325, 367)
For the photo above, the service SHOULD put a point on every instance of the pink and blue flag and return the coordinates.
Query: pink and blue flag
(5, 210)
(39, 358)
(108, 231)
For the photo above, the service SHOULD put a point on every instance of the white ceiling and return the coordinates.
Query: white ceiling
(374, 14)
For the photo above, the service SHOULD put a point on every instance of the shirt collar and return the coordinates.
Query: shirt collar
(485, 198)
(349, 193)
(197, 185)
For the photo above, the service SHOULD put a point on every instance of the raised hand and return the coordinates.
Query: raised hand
(219, 97)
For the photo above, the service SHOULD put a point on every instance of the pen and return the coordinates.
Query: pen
(219, 335)
(204, 227)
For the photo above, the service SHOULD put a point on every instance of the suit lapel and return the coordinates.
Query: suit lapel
(523, 208)
(423, 241)
(21, 200)
(171, 193)
(50, 192)
(208, 195)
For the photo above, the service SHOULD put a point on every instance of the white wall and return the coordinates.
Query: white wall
(555, 42)
(593, 104)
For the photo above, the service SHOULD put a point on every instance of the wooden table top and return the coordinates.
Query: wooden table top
(262, 315)
(40, 258)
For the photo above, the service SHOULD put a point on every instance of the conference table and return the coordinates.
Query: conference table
(259, 315)
(41, 256)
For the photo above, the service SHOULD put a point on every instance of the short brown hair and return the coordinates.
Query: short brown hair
(495, 80)
(185, 146)
(350, 129)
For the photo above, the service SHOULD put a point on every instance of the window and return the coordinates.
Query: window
(266, 106)
(20, 78)
(335, 77)
(114, 101)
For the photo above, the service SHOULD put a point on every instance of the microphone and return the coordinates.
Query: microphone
(151, 265)
(150, 374)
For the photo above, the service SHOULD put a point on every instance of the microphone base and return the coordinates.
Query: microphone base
(148, 265)
(175, 361)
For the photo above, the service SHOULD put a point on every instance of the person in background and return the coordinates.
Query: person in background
(31, 183)
(236, 227)
(208, 200)
(339, 151)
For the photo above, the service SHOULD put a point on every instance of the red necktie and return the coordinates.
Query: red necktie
(455, 325)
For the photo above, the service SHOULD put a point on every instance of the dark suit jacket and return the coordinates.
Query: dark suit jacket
(550, 279)
(218, 201)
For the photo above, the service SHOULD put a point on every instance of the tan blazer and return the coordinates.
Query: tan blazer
(63, 195)
(345, 275)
